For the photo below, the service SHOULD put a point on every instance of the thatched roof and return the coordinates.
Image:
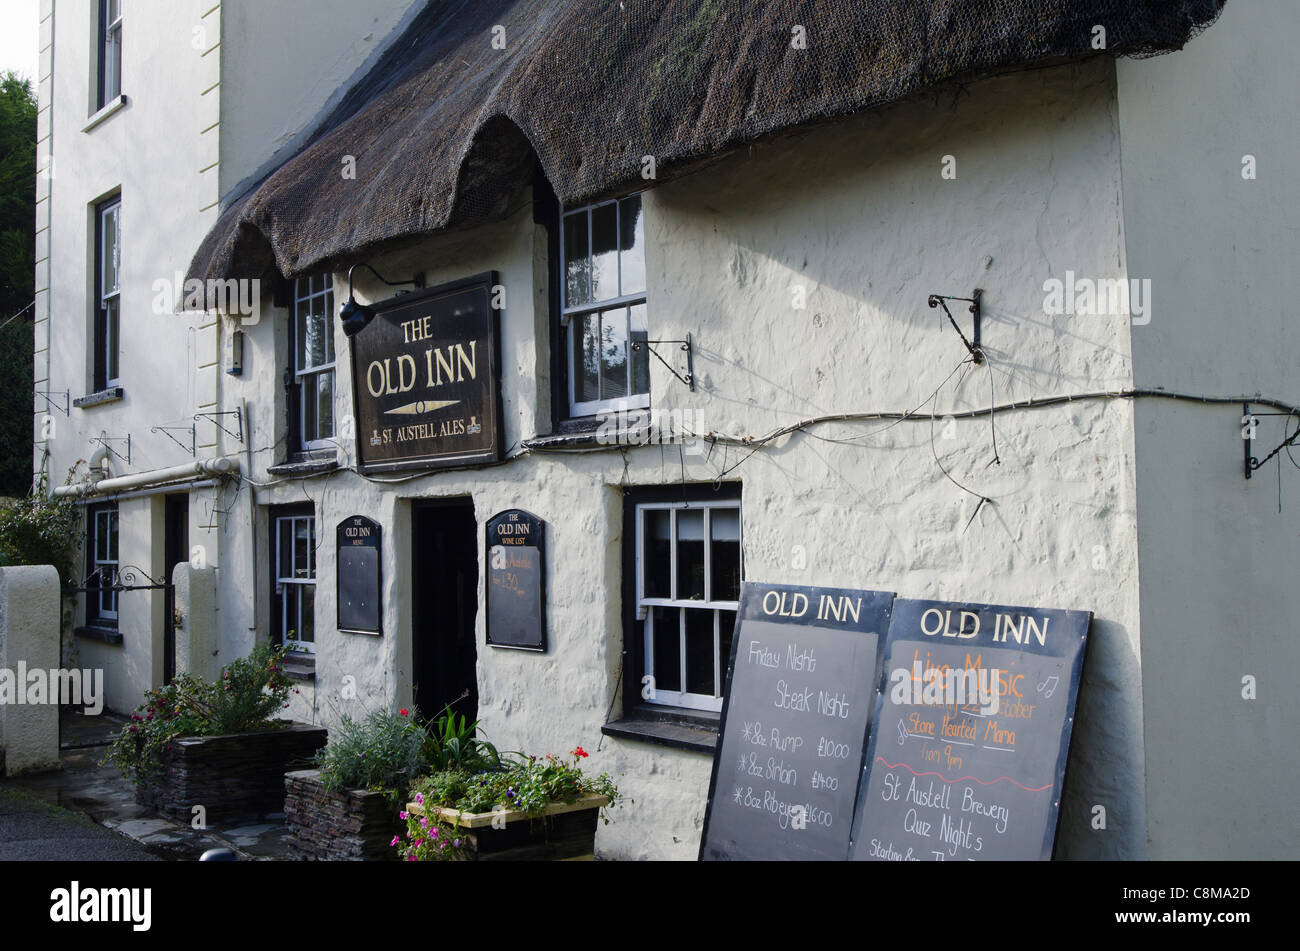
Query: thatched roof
(445, 128)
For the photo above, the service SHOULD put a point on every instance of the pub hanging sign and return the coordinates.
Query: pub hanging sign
(426, 379)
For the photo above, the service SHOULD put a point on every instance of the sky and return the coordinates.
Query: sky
(18, 37)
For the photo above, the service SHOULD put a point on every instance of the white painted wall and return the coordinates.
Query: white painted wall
(1218, 558)
(283, 63)
(859, 215)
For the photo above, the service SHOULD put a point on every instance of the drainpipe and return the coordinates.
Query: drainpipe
(190, 472)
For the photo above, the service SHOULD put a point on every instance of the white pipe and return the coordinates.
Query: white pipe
(190, 472)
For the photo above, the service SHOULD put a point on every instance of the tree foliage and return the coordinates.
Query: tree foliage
(17, 276)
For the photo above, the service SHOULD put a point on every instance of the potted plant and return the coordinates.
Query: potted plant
(529, 808)
(347, 808)
(216, 744)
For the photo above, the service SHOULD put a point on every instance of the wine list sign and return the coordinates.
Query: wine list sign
(799, 698)
(972, 730)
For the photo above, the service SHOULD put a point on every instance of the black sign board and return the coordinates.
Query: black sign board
(799, 698)
(359, 602)
(516, 584)
(968, 754)
(426, 379)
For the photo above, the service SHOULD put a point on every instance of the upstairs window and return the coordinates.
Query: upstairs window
(110, 51)
(108, 287)
(313, 362)
(603, 301)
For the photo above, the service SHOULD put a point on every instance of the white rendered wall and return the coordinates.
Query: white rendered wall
(859, 215)
(283, 62)
(1218, 558)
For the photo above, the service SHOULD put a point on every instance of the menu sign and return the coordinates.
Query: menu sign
(426, 380)
(516, 596)
(973, 722)
(359, 603)
(799, 697)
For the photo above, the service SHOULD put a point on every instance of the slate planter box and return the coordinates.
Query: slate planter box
(231, 777)
(565, 831)
(352, 826)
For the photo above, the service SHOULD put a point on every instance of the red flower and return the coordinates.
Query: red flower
(580, 752)
(403, 712)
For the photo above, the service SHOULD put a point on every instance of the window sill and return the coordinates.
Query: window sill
(306, 463)
(674, 727)
(113, 107)
(300, 666)
(107, 635)
(113, 394)
(589, 433)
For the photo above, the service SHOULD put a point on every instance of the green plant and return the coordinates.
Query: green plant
(243, 699)
(452, 745)
(528, 785)
(384, 752)
(39, 529)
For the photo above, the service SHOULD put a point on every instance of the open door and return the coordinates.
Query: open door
(444, 576)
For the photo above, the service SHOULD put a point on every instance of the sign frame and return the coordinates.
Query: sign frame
(377, 534)
(485, 280)
(540, 647)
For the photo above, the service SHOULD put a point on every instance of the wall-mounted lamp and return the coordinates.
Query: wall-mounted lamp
(355, 316)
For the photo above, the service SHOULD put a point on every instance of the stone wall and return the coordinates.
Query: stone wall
(352, 826)
(230, 776)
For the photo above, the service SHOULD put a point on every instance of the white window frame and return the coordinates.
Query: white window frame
(110, 298)
(644, 604)
(303, 293)
(109, 79)
(295, 582)
(628, 401)
(104, 569)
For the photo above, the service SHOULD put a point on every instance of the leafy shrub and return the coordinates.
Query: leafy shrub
(249, 692)
(39, 529)
(385, 751)
(452, 745)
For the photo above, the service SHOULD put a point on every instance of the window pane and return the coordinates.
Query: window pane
(699, 652)
(302, 318)
(301, 549)
(667, 648)
(724, 552)
(726, 628)
(285, 549)
(613, 354)
(604, 252)
(307, 393)
(690, 555)
(327, 325)
(112, 328)
(308, 630)
(577, 266)
(640, 358)
(311, 546)
(112, 255)
(586, 358)
(325, 405)
(632, 242)
(313, 342)
(112, 66)
(112, 535)
(657, 554)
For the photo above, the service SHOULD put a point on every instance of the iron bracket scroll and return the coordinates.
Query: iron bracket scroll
(105, 440)
(976, 309)
(687, 346)
(214, 419)
(192, 429)
(1249, 421)
(67, 400)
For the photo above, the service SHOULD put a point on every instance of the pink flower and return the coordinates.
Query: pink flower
(404, 814)
(396, 839)
(419, 797)
(410, 858)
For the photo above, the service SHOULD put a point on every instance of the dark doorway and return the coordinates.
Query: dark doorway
(176, 548)
(444, 585)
